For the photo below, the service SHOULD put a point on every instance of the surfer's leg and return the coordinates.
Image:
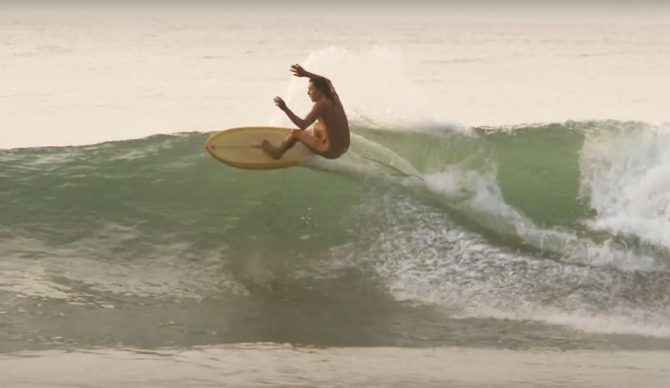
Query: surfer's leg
(277, 152)
(314, 143)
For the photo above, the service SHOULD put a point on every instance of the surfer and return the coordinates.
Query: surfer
(330, 135)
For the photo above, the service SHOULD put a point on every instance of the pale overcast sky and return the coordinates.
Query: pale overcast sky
(574, 10)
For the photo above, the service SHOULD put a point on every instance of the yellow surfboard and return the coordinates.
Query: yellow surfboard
(240, 147)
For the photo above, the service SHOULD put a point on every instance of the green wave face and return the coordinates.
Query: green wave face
(165, 186)
(536, 169)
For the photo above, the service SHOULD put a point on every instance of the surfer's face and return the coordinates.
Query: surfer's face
(314, 93)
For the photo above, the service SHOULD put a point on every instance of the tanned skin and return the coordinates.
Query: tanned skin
(330, 137)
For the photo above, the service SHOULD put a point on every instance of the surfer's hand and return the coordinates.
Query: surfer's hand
(298, 71)
(280, 103)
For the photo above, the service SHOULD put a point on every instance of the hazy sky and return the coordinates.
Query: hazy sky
(534, 11)
(564, 3)
(603, 5)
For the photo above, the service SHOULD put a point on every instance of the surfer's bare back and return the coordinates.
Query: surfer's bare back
(330, 136)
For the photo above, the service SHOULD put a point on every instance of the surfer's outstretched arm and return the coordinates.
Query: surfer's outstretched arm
(299, 71)
(311, 117)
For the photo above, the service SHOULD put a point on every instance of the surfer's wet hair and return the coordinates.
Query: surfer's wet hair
(322, 84)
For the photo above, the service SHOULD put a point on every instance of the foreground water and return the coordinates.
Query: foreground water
(257, 365)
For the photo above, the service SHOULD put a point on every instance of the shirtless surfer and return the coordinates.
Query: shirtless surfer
(330, 137)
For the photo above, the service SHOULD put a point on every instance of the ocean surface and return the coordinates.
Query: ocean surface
(502, 217)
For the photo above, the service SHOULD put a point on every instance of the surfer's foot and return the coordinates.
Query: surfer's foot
(271, 150)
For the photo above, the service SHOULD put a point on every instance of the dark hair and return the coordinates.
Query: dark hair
(322, 84)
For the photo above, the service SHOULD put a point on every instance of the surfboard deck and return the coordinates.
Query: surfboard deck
(240, 147)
